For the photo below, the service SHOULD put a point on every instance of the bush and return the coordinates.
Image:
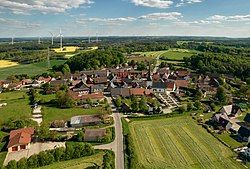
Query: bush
(108, 160)
(73, 150)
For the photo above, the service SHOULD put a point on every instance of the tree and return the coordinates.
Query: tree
(143, 105)
(45, 158)
(65, 69)
(190, 106)
(198, 94)
(33, 96)
(183, 108)
(221, 95)
(79, 136)
(64, 99)
(43, 132)
(89, 101)
(118, 101)
(134, 104)
(107, 161)
(198, 105)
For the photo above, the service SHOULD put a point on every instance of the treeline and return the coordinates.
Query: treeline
(73, 150)
(131, 47)
(216, 48)
(238, 66)
(95, 60)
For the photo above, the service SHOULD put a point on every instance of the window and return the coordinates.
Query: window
(14, 148)
(22, 147)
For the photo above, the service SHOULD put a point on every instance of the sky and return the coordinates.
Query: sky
(34, 18)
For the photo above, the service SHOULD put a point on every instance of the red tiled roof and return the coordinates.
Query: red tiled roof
(181, 83)
(137, 91)
(20, 136)
(170, 85)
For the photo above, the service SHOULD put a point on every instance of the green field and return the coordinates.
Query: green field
(17, 105)
(2, 158)
(30, 69)
(152, 54)
(178, 143)
(177, 54)
(80, 163)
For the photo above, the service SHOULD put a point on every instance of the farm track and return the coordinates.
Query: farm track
(178, 143)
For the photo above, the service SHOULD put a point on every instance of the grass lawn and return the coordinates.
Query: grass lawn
(229, 140)
(7, 63)
(79, 163)
(178, 143)
(2, 158)
(17, 105)
(29, 69)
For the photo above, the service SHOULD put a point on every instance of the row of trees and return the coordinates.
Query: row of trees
(72, 151)
(95, 60)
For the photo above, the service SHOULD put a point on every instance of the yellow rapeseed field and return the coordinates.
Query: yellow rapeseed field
(7, 63)
(66, 49)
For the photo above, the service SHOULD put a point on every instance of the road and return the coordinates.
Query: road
(157, 64)
(117, 144)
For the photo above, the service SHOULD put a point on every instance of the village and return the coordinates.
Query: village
(124, 89)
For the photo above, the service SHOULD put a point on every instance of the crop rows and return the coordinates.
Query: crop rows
(178, 143)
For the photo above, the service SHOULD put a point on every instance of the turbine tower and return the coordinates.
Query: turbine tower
(39, 40)
(97, 39)
(52, 38)
(12, 40)
(61, 39)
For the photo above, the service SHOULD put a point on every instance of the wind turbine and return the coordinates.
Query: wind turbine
(12, 40)
(39, 40)
(61, 39)
(52, 38)
(97, 39)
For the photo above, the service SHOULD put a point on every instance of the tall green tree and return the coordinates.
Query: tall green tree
(221, 95)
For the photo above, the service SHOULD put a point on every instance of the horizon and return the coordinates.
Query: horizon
(124, 18)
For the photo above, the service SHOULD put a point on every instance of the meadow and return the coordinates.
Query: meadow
(80, 163)
(17, 105)
(177, 54)
(178, 143)
(29, 69)
(7, 63)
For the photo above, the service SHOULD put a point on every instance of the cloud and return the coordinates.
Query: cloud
(11, 23)
(44, 6)
(162, 16)
(184, 2)
(153, 3)
(232, 18)
(107, 21)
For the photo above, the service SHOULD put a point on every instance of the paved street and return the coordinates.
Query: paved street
(117, 144)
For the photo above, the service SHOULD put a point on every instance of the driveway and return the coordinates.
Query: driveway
(35, 148)
(117, 144)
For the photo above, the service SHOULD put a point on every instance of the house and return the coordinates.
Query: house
(124, 92)
(85, 96)
(97, 88)
(85, 120)
(94, 134)
(20, 139)
(160, 87)
(171, 86)
(100, 80)
(244, 133)
(231, 110)
(247, 119)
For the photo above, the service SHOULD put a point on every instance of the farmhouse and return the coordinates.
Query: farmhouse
(20, 139)
(94, 134)
(85, 120)
(231, 110)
